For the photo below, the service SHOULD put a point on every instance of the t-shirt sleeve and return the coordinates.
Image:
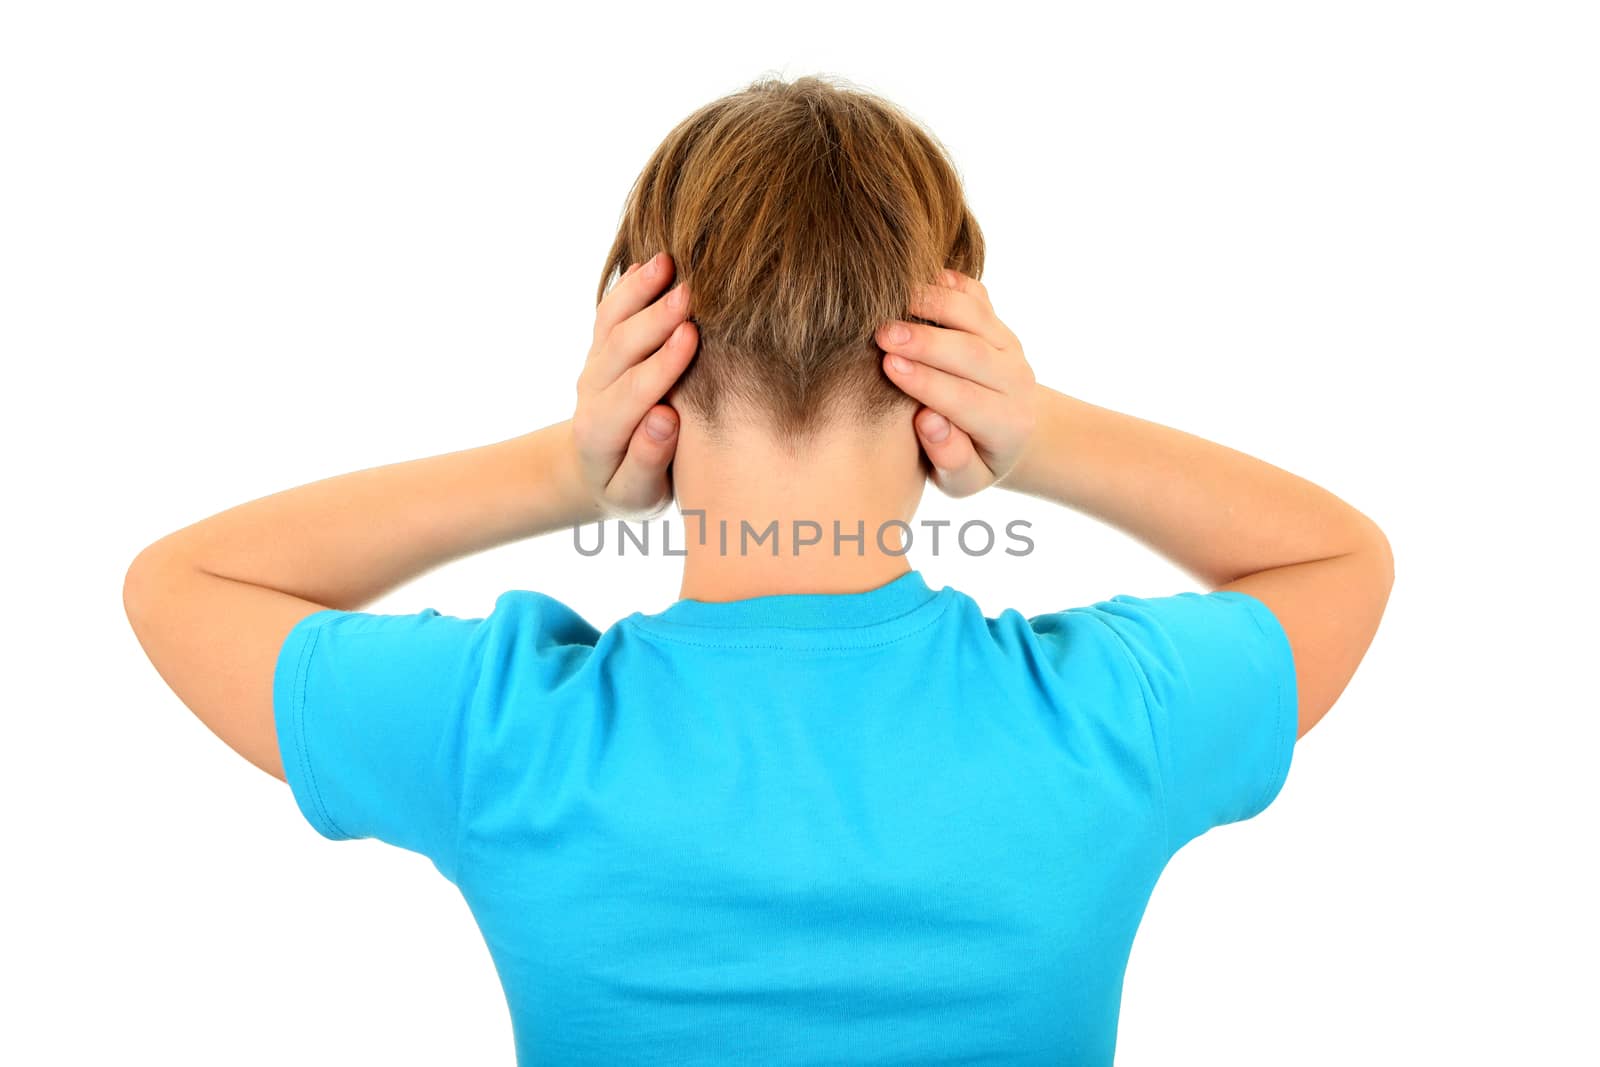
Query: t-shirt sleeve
(1219, 679)
(371, 715)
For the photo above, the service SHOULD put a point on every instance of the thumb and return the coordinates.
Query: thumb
(958, 470)
(640, 484)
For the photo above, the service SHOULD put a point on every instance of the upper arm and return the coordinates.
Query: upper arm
(1330, 610)
(364, 715)
(215, 642)
(1214, 678)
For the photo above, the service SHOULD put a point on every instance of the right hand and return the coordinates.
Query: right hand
(625, 436)
(974, 383)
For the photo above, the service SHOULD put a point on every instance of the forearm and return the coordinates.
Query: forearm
(345, 541)
(1215, 512)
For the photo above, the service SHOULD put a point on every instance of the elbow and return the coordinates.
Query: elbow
(1383, 558)
(136, 588)
(1388, 566)
(1379, 571)
(147, 576)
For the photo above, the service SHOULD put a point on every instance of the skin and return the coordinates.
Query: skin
(974, 409)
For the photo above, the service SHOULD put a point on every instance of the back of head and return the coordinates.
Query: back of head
(802, 215)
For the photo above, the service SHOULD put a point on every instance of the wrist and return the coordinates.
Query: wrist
(559, 478)
(1031, 474)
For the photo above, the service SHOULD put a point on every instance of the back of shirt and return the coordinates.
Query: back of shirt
(852, 828)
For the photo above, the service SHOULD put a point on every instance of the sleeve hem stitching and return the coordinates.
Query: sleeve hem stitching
(1280, 750)
(302, 682)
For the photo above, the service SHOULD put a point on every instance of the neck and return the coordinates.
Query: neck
(708, 574)
(777, 523)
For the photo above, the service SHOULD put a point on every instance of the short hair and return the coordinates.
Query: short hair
(802, 215)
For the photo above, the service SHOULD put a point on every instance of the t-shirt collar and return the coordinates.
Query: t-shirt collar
(887, 602)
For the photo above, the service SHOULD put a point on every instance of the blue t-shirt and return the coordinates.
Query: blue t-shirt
(872, 827)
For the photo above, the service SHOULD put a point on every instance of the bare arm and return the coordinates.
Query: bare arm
(212, 603)
(1232, 521)
(1235, 522)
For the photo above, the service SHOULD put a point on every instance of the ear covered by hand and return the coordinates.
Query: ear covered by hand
(969, 372)
(965, 367)
(624, 435)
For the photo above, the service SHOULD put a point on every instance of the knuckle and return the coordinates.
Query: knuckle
(961, 394)
(615, 340)
(641, 385)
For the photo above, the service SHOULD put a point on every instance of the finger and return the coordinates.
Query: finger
(623, 403)
(956, 352)
(959, 310)
(637, 338)
(966, 284)
(959, 470)
(640, 483)
(633, 292)
(978, 410)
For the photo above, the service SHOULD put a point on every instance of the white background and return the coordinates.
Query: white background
(243, 247)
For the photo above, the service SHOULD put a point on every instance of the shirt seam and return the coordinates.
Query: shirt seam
(794, 628)
(650, 632)
(1145, 692)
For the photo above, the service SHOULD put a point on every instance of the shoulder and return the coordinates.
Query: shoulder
(548, 620)
(533, 639)
(1132, 645)
(1074, 650)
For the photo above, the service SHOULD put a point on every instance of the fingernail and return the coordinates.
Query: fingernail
(676, 298)
(935, 427)
(899, 364)
(659, 425)
(898, 334)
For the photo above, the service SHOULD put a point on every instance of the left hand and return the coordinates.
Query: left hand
(624, 435)
(972, 378)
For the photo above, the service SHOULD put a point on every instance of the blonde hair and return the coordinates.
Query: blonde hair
(802, 215)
